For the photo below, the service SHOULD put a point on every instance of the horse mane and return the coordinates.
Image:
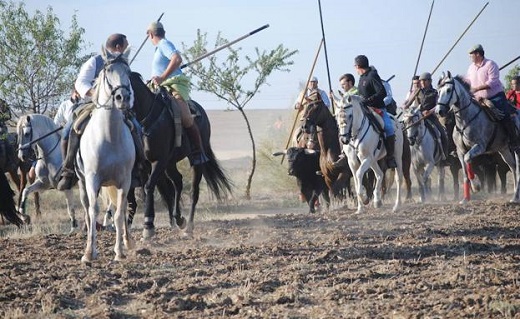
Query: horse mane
(465, 84)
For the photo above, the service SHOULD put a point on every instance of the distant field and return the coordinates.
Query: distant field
(230, 139)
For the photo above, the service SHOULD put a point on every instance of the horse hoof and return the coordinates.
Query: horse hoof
(86, 260)
(514, 201)
(181, 223)
(148, 233)
(464, 201)
(378, 204)
(26, 219)
(120, 257)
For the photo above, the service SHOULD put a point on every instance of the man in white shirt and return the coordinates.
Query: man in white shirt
(313, 86)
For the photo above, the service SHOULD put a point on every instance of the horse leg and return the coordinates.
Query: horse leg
(168, 192)
(361, 192)
(195, 192)
(426, 179)
(71, 209)
(513, 162)
(419, 172)
(132, 205)
(378, 172)
(122, 231)
(149, 211)
(37, 186)
(442, 196)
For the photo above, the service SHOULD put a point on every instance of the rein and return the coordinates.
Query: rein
(113, 90)
(32, 142)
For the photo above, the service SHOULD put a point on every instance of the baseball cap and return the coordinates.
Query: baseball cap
(425, 76)
(314, 79)
(154, 26)
(475, 48)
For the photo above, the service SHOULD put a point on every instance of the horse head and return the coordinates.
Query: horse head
(112, 87)
(313, 113)
(348, 117)
(413, 124)
(24, 131)
(447, 94)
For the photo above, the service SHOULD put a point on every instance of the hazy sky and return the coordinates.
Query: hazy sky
(388, 32)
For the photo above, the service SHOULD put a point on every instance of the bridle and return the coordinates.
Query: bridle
(414, 138)
(112, 90)
(457, 102)
(28, 145)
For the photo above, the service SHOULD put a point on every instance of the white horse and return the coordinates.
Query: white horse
(426, 153)
(364, 147)
(107, 153)
(39, 132)
(475, 133)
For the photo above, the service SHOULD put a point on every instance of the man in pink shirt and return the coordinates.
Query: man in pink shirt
(484, 79)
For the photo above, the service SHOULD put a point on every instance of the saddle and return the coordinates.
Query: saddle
(490, 109)
(169, 99)
(375, 116)
(81, 117)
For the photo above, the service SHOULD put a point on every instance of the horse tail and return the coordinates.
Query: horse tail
(217, 180)
(7, 205)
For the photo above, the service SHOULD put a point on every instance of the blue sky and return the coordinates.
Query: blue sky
(388, 32)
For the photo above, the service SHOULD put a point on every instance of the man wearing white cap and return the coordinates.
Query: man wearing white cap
(166, 72)
(484, 78)
(312, 87)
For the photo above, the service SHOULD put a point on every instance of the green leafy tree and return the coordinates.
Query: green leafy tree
(511, 74)
(236, 78)
(38, 62)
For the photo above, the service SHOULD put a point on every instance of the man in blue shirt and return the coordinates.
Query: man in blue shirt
(166, 72)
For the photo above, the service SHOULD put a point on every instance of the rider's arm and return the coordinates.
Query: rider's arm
(86, 77)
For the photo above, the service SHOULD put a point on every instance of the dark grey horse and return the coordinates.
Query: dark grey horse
(475, 133)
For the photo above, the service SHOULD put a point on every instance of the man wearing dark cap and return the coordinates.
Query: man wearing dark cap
(371, 89)
(89, 71)
(427, 100)
(484, 78)
(166, 72)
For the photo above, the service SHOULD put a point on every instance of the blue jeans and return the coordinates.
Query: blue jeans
(389, 124)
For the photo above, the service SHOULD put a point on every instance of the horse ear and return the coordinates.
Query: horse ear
(28, 119)
(449, 75)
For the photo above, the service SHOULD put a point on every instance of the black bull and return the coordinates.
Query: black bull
(159, 137)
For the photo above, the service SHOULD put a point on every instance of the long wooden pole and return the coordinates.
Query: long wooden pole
(296, 118)
(508, 63)
(326, 57)
(463, 33)
(144, 42)
(422, 42)
(224, 46)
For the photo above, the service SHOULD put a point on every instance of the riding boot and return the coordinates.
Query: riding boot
(390, 147)
(510, 127)
(197, 156)
(67, 170)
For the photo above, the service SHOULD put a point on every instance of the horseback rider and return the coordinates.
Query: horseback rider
(166, 72)
(373, 92)
(116, 43)
(427, 100)
(513, 95)
(484, 78)
(312, 88)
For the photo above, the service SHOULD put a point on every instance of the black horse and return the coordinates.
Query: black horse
(7, 207)
(154, 113)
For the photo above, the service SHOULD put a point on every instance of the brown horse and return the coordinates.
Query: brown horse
(18, 170)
